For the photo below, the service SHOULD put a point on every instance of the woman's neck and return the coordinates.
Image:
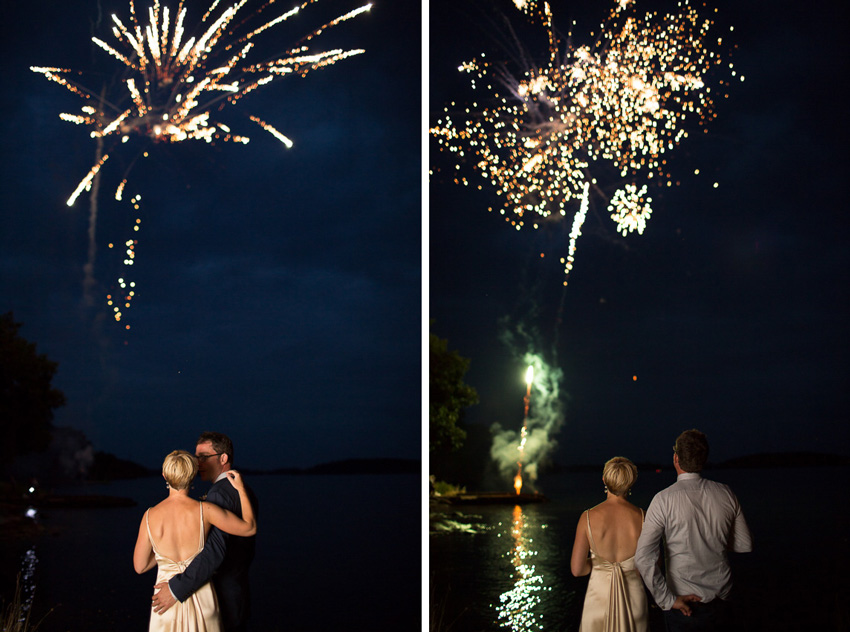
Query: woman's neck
(613, 498)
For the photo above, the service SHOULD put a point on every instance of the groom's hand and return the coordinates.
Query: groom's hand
(162, 598)
(681, 604)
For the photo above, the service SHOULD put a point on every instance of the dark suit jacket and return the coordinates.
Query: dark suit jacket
(225, 560)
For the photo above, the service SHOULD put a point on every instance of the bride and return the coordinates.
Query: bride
(173, 532)
(615, 600)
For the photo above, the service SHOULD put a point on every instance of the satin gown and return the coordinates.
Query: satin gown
(616, 599)
(199, 613)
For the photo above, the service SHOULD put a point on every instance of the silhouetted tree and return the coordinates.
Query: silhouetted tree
(27, 398)
(449, 395)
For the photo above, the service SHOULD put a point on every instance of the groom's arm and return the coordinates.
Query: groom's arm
(202, 568)
(648, 554)
(199, 572)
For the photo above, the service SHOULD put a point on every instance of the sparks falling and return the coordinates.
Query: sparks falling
(612, 109)
(174, 83)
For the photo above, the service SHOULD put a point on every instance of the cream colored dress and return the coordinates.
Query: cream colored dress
(199, 613)
(615, 600)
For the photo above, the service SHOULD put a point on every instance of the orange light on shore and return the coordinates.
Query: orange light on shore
(518, 483)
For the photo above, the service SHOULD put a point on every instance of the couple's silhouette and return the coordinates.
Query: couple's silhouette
(697, 520)
(202, 549)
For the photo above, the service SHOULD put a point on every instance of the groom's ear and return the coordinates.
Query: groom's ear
(225, 459)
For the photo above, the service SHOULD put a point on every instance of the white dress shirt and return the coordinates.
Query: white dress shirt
(699, 521)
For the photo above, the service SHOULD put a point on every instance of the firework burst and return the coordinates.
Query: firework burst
(612, 109)
(175, 80)
(174, 83)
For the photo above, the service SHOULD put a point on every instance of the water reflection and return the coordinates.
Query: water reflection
(516, 610)
(456, 522)
(29, 563)
(27, 586)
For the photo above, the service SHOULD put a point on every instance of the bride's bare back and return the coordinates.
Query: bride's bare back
(615, 525)
(175, 526)
(616, 528)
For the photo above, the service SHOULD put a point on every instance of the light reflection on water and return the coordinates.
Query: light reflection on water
(28, 567)
(516, 610)
(500, 568)
(29, 564)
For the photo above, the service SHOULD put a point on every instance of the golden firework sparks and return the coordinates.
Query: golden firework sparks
(175, 86)
(171, 87)
(618, 105)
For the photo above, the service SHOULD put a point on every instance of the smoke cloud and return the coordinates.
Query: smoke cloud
(545, 414)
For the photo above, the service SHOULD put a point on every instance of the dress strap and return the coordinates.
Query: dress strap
(589, 532)
(201, 539)
(642, 515)
(150, 537)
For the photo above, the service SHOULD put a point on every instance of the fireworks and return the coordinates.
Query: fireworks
(612, 109)
(174, 83)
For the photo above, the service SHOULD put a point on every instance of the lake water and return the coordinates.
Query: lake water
(333, 553)
(508, 568)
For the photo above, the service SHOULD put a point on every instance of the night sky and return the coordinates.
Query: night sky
(731, 310)
(278, 292)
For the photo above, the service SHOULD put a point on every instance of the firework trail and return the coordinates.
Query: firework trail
(88, 269)
(609, 110)
(174, 81)
(523, 435)
(536, 440)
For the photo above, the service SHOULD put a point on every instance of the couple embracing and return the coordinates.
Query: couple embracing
(202, 577)
(697, 520)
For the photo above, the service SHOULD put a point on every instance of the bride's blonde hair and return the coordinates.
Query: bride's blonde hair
(179, 468)
(619, 474)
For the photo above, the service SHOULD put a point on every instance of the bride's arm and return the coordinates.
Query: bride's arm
(228, 521)
(579, 562)
(143, 557)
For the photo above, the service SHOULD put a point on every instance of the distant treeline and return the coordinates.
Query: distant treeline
(778, 459)
(109, 467)
(357, 466)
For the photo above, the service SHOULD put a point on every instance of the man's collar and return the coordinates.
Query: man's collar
(219, 477)
(688, 476)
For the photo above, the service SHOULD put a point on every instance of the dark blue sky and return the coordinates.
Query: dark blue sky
(278, 291)
(731, 309)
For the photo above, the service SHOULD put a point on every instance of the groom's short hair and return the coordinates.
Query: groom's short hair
(692, 448)
(221, 443)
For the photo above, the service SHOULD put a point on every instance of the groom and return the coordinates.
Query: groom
(225, 559)
(699, 521)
